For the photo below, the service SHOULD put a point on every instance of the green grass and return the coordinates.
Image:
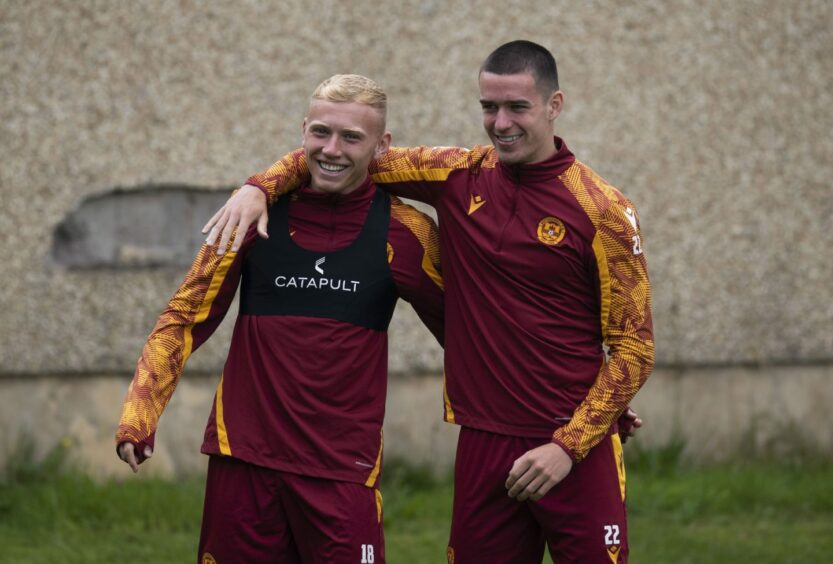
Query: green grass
(742, 512)
(750, 511)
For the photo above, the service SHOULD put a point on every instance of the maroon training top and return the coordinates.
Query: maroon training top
(308, 393)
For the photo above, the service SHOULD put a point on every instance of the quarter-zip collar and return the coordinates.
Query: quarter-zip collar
(326, 222)
(545, 170)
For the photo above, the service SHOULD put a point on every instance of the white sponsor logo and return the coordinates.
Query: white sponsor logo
(317, 283)
(307, 282)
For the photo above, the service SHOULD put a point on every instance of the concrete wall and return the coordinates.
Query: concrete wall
(714, 117)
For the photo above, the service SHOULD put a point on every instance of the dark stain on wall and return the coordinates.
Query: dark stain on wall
(153, 226)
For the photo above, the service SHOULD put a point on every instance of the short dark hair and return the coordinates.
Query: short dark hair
(522, 56)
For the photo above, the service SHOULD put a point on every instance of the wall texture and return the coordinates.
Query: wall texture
(714, 117)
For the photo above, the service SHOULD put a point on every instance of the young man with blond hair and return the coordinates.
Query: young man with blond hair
(295, 432)
(543, 265)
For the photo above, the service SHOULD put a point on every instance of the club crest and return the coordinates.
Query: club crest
(551, 230)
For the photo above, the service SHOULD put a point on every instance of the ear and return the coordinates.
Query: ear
(555, 104)
(304, 129)
(383, 145)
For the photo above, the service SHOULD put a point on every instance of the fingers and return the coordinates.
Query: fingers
(148, 452)
(239, 212)
(242, 229)
(519, 468)
(535, 489)
(532, 483)
(216, 225)
(263, 224)
(247, 217)
(128, 454)
(629, 423)
(542, 490)
(519, 487)
(228, 229)
(537, 471)
(213, 221)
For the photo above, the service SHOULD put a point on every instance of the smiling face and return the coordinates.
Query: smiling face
(340, 140)
(518, 117)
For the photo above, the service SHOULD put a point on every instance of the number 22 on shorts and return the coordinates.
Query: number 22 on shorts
(611, 535)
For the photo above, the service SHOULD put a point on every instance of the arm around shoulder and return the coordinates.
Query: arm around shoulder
(250, 203)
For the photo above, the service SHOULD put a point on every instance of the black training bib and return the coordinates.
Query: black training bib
(353, 284)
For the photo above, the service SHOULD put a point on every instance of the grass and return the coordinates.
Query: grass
(749, 511)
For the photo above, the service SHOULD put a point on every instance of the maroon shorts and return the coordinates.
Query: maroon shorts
(256, 515)
(582, 519)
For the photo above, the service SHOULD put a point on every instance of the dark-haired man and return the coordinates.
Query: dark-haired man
(543, 264)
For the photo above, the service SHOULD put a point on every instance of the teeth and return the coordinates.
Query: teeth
(508, 139)
(331, 167)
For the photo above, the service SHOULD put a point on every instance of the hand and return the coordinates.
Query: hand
(127, 452)
(246, 205)
(537, 471)
(628, 423)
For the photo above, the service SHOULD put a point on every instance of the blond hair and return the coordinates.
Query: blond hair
(352, 88)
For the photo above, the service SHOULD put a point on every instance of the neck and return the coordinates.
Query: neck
(340, 192)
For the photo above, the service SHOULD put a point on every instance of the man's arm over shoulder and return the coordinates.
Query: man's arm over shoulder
(191, 316)
(283, 176)
(627, 328)
(414, 258)
(420, 173)
(412, 172)
(250, 203)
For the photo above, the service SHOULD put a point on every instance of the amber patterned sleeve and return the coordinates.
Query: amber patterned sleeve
(419, 173)
(414, 256)
(284, 176)
(625, 294)
(192, 315)
(414, 172)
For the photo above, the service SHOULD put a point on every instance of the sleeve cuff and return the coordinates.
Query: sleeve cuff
(566, 449)
(139, 446)
(253, 181)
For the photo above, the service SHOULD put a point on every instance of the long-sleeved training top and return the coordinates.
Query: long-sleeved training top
(542, 264)
(303, 387)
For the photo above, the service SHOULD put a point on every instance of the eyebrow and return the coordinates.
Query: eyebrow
(344, 130)
(520, 101)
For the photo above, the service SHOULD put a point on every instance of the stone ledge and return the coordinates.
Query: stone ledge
(718, 413)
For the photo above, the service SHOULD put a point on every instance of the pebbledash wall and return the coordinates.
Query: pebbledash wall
(714, 117)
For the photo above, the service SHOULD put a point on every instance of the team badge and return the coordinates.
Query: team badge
(551, 230)
(208, 559)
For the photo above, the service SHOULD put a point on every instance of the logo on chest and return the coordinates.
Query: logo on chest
(475, 203)
(285, 281)
(551, 230)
